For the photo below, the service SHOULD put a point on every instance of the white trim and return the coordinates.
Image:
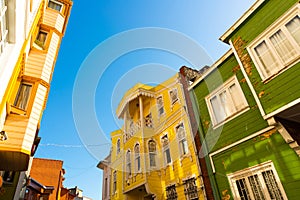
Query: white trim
(211, 69)
(237, 143)
(215, 93)
(256, 169)
(283, 108)
(241, 19)
(262, 112)
(265, 36)
(57, 2)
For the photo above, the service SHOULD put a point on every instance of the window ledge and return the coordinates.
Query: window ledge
(242, 111)
(274, 75)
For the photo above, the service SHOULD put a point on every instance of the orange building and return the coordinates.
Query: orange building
(49, 172)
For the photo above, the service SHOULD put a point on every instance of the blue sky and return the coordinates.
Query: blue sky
(92, 24)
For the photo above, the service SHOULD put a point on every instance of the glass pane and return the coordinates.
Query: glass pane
(42, 37)
(294, 28)
(22, 96)
(54, 5)
(167, 155)
(184, 147)
(272, 185)
(152, 159)
(217, 109)
(236, 97)
(283, 46)
(270, 64)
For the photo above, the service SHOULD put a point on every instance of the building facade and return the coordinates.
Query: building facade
(153, 156)
(30, 37)
(248, 106)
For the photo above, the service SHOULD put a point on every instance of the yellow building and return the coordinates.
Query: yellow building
(30, 35)
(153, 155)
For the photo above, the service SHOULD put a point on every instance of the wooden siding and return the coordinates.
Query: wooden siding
(239, 127)
(258, 150)
(54, 19)
(22, 129)
(40, 65)
(284, 88)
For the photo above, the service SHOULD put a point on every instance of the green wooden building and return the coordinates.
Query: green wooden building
(248, 106)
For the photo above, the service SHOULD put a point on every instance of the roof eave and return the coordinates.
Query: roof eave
(225, 36)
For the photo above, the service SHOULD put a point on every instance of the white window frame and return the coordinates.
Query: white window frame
(114, 182)
(56, 2)
(153, 153)
(128, 164)
(118, 146)
(240, 96)
(18, 96)
(265, 37)
(173, 101)
(160, 106)
(137, 158)
(182, 140)
(3, 26)
(255, 170)
(165, 149)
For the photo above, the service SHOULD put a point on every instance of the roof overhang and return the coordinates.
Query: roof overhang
(225, 36)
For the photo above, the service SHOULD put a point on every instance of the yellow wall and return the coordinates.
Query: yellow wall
(155, 180)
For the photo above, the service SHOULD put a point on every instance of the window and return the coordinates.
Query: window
(118, 146)
(114, 182)
(279, 47)
(190, 189)
(226, 101)
(149, 121)
(258, 182)
(3, 27)
(166, 149)
(41, 38)
(23, 95)
(137, 158)
(173, 95)
(180, 133)
(7, 176)
(55, 5)
(105, 187)
(160, 105)
(171, 192)
(152, 153)
(128, 164)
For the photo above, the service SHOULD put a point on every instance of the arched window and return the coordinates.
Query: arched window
(118, 146)
(183, 146)
(152, 153)
(128, 164)
(166, 149)
(137, 158)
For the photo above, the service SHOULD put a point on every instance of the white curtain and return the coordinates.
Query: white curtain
(22, 96)
(267, 59)
(294, 28)
(283, 46)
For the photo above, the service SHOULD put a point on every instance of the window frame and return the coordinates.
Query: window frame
(173, 101)
(190, 189)
(3, 28)
(137, 158)
(159, 107)
(279, 24)
(182, 140)
(41, 45)
(16, 98)
(171, 192)
(166, 150)
(114, 182)
(152, 154)
(56, 2)
(225, 87)
(118, 150)
(128, 164)
(251, 171)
